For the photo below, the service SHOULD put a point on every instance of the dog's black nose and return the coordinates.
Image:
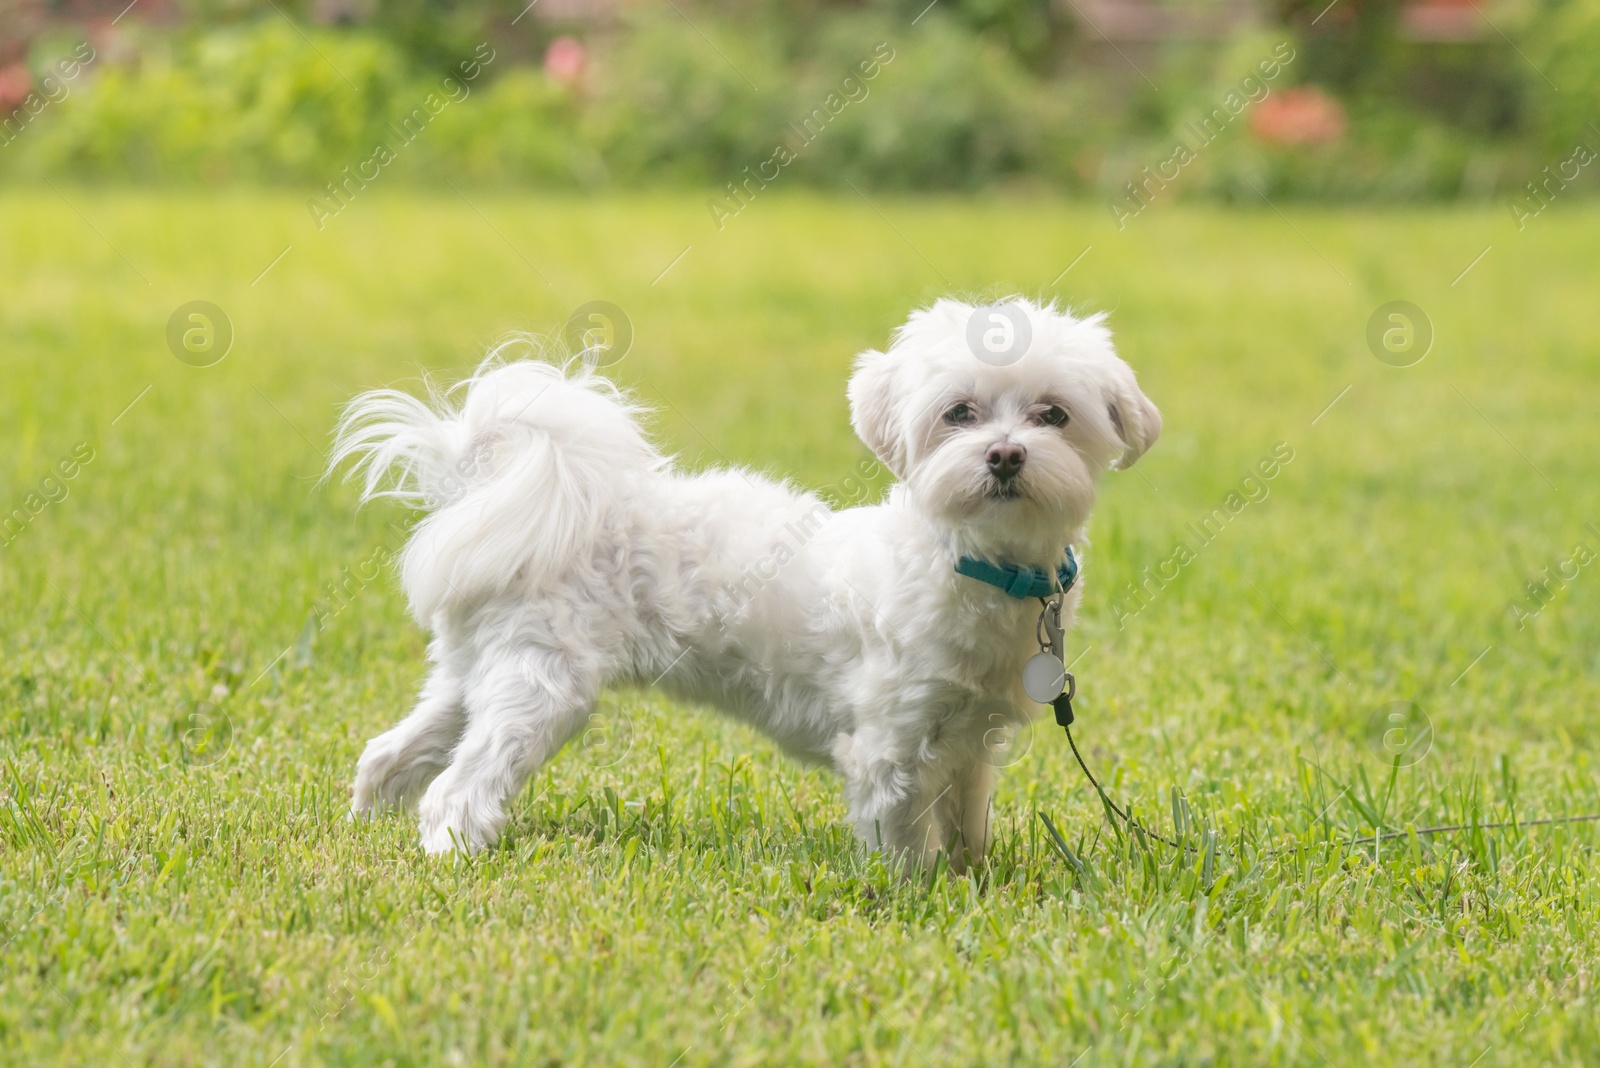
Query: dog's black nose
(1005, 460)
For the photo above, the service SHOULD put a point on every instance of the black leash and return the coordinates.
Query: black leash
(1065, 718)
(1051, 663)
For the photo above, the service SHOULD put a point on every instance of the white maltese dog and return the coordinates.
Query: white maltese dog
(562, 552)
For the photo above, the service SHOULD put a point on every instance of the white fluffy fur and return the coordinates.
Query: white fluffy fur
(562, 553)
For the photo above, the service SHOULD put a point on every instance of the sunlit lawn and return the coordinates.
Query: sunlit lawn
(186, 890)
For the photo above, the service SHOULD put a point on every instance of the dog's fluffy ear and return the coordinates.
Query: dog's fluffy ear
(1136, 420)
(873, 411)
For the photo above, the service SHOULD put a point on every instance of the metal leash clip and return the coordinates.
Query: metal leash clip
(1045, 676)
(1052, 643)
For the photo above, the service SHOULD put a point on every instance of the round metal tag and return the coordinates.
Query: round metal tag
(1044, 677)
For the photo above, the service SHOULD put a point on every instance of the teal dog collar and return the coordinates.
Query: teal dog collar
(1021, 582)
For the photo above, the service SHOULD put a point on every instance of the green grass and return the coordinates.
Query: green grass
(677, 892)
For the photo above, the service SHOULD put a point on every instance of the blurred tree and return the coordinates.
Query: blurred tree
(436, 33)
(1439, 57)
(1349, 45)
(1031, 30)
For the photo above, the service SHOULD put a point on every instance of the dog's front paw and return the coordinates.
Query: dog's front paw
(388, 779)
(450, 824)
(364, 791)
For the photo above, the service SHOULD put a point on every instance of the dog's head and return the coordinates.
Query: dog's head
(1002, 415)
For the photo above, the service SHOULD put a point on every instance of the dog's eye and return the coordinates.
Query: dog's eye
(1054, 416)
(960, 414)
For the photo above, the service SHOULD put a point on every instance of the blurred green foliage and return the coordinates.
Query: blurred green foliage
(977, 92)
(672, 104)
(257, 101)
(950, 110)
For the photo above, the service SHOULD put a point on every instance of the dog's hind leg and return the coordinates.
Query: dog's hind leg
(520, 712)
(398, 764)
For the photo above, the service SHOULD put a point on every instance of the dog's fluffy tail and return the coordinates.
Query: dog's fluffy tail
(518, 467)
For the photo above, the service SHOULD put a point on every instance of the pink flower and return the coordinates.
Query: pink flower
(15, 84)
(1304, 115)
(565, 60)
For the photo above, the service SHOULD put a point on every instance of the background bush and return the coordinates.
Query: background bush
(951, 110)
(978, 92)
(255, 102)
